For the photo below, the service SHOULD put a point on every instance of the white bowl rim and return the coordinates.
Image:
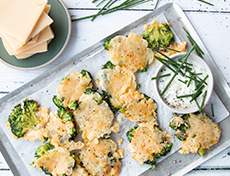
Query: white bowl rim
(210, 87)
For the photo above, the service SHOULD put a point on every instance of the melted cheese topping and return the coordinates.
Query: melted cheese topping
(57, 162)
(72, 87)
(202, 133)
(96, 158)
(141, 110)
(116, 82)
(58, 130)
(79, 171)
(145, 142)
(130, 51)
(94, 119)
(43, 115)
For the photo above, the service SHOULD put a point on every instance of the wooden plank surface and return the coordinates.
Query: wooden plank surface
(212, 24)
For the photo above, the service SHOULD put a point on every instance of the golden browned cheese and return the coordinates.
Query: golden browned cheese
(93, 116)
(142, 110)
(72, 87)
(116, 82)
(131, 51)
(79, 171)
(101, 158)
(202, 133)
(58, 130)
(43, 115)
(57, 162)
(145, 142)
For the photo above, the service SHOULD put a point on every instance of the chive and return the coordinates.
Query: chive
(185, 82)
(200, 110)
(100, 3)
(205, 94)
(193, 42)
(206, 2)
(162, 61)
(198, 92)
(169, 49)
(178, 69)
(101, 8)
(212, 110)
(185, 96)
(156, 5)
(161, 76)
(202, 81)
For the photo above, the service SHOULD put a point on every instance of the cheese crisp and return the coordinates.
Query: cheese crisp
(56, 162)
(141, 110)
(197, 133)
(116, 82)
(130, 51)
(93, 116)
(101, 157)
(73, 86)
(147, 143)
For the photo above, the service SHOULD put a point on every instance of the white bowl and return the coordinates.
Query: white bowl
(178, 106)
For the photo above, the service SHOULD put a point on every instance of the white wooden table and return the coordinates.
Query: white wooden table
(212, 24)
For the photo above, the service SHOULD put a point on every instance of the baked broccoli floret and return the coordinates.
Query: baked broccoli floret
(158, 35)
(44, 149)
(23, 117)
(57, 101)
(86, 74)
(73, 105)
(181, 127)
(129, 134)
(108, 64)
(65, 115)
(72, 133)
(106, 97)
(106, 43)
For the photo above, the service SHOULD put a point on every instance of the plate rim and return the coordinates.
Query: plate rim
(56, 56)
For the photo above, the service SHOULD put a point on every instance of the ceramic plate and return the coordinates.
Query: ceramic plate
(61, 28)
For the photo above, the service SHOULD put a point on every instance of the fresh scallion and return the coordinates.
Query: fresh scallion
(206, 2)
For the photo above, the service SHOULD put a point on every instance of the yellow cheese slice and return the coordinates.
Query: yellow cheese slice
(19, 17)
(45, 35)
(23, 56)
(43, 22)
(42, 47)
(13, 42)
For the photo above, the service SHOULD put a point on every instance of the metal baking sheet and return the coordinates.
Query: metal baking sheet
(19, 153)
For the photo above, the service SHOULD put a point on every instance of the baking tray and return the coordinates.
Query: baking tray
(19, 153)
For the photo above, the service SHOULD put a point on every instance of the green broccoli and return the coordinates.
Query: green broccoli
(108, 64)
(106, 97)
(151, 163)
(73, 105)
(158, 35)
(23, 117)
(129, 134)
(181, 127)
(57, 102)
(46, 171)
(86, 74)
(106, 43)
(43, 150)
(90, 90)
(72, 133)
(65, 115)
(144, 69)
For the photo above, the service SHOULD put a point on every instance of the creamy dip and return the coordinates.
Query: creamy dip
(178, 88)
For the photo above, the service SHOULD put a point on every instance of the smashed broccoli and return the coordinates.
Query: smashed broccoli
(129, 134)
(106, 43)
(73, 105)
(86, 74)
(158, 35)
(108, 64)
(65, 115)
(23, 117)
(43, 150)
(182, 128)
(106, 97)
(57, 101)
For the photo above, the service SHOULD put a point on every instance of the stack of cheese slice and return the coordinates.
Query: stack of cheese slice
(25, 27)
